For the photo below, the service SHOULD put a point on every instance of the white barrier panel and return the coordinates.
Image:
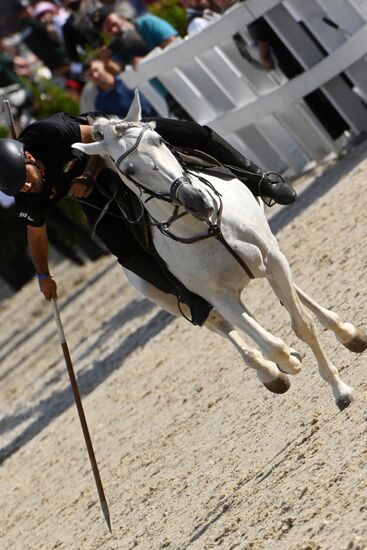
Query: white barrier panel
(263, 114)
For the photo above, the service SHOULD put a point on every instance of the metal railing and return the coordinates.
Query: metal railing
(265, 114)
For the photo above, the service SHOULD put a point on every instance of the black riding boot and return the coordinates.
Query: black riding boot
(260, 183)
(191, 135)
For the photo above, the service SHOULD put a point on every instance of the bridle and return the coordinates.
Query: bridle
(213, 229)
(170, 197)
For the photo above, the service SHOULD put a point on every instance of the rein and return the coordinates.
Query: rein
(214, 229)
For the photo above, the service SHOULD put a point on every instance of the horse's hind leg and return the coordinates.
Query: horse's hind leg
(347, 334)
(268, 372)
(280, 278)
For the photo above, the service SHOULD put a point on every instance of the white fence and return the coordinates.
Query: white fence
(263, 113)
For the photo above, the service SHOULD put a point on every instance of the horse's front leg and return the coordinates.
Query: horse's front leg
(347, 334)
(229, 305)
(268, 372)
(280, 278)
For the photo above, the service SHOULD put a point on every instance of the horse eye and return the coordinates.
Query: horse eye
(130, 169)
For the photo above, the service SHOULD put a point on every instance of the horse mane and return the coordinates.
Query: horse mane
(120, 125)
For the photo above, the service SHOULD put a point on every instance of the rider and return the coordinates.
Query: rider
(40, 168)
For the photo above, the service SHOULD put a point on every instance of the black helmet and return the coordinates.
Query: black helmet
(12, 166)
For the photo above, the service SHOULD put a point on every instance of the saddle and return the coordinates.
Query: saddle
(198, 160)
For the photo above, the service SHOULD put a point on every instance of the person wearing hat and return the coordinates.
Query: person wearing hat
(45, 45)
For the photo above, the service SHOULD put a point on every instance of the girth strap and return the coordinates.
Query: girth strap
(222, 240)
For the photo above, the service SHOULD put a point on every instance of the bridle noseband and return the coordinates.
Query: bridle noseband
(214, 229)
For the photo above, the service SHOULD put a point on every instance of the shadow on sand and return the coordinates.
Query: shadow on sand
(320, 186)
(59, 401)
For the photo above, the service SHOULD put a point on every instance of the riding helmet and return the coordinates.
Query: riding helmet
(12, 166)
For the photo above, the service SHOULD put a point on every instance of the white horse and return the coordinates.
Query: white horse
(218, 270)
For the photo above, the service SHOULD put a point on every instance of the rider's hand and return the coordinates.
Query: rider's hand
(48, 287)
(81, 187)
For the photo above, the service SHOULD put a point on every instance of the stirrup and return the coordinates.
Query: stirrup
(277, 191)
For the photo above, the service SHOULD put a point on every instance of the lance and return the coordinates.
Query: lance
(7, 106)
(70, 369)
(79, 406)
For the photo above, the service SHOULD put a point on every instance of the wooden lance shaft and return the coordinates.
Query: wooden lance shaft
(82, 418)
(69, 366)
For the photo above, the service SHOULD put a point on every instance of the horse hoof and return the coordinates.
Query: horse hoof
(295, 367)
(295, 354)
(280, 385)
(358, 343)
(344, 402)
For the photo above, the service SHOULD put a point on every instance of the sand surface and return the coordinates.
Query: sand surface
(194, 453)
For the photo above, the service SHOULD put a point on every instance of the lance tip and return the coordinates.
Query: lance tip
(106, 514)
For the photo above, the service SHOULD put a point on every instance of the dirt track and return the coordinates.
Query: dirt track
(194, 452)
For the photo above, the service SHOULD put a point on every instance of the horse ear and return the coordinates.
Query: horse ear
(97, 148)
(134, 114)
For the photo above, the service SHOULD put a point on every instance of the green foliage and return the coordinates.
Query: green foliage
(171, 12)
(4, 132)
(50, 99)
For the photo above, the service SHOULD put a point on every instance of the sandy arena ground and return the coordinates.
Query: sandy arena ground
(194, 452)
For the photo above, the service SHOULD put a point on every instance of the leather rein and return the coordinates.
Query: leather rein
(214, 229)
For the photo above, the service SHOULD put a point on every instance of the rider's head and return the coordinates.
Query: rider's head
(12, 166)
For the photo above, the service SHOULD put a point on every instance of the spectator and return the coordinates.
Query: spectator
(133, 40)
(52, 16)
(127, 8)
(45, 45)
(73, 88)
(8, 75)
(273, 52)
(153, 32)
(113, 96)
(199, 15)
(11, 68)
(79, 32)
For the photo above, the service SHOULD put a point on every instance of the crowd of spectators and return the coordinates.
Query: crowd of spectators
(82, 46)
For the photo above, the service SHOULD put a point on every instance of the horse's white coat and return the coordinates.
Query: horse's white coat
(209, 270)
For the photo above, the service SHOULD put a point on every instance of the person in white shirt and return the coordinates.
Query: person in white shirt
(199, 15)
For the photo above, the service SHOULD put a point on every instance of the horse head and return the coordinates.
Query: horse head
(144, 162)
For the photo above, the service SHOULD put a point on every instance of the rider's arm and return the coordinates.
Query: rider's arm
(38, 247)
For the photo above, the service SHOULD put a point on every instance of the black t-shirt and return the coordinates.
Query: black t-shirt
(50, 141)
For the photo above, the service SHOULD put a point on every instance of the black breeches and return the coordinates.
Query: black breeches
(191, 135)
(113, 231)
(117, 236)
